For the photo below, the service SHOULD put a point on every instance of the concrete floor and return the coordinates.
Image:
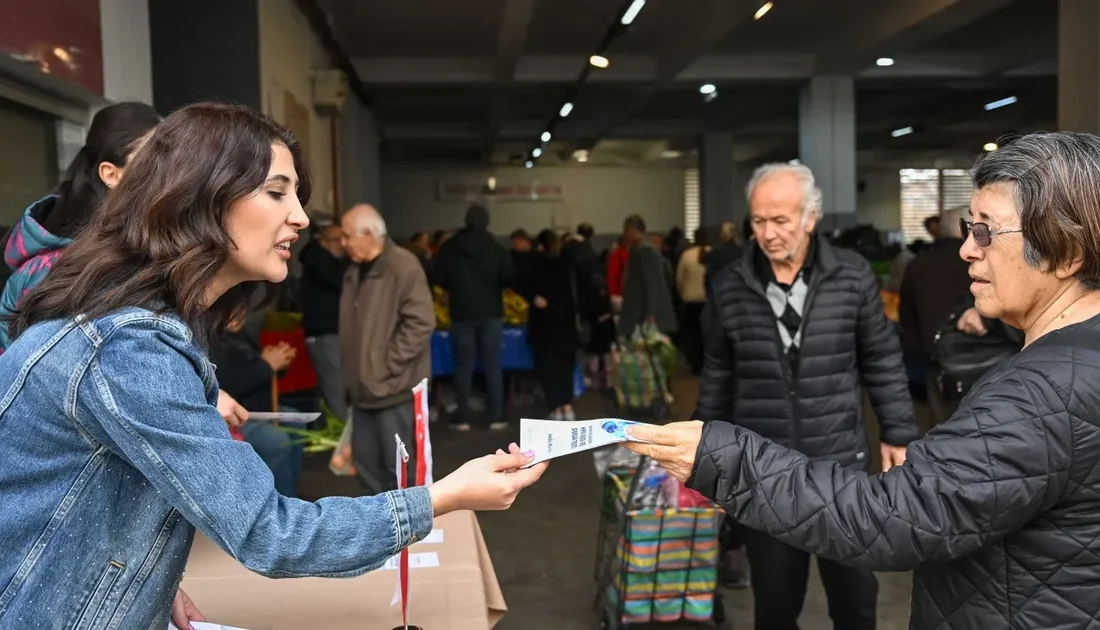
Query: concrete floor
(544, 547)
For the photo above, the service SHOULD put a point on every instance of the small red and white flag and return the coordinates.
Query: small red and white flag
(402, 591)
(423, 436)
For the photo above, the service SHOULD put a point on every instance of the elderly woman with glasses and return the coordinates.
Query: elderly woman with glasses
(997, 511)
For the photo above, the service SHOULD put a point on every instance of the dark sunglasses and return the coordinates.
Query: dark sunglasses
(983, 236)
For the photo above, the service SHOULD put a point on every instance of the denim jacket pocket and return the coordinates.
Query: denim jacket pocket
(103, 597)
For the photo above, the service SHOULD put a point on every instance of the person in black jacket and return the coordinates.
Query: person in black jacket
(323, 267)
(245, 372)
(933, 283)
(995, 509)
(795, 330)
(474, 270)
(552, 324)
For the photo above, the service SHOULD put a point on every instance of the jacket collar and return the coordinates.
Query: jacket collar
(379, 265)
(821, 260)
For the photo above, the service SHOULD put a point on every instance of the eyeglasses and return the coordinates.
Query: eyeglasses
(983, 236)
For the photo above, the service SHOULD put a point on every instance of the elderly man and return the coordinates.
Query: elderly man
(386, 323)
(647, 283)
(795, 330)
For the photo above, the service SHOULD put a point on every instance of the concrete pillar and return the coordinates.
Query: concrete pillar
(127, 56)
(1079, 65)
(717, 190)
(827, 144)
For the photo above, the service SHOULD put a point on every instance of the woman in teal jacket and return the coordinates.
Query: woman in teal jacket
(49, 224)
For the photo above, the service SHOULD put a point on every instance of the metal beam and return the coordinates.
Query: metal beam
(1019, 53)
(708, 22)
(510, 44)
(716, 68)
(898, 26)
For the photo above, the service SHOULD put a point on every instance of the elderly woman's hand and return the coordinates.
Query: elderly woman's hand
(672, 446)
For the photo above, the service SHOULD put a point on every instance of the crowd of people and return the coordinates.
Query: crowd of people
(127, 369)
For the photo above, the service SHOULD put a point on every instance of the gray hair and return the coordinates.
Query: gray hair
(1055, 179)
(949, 220)
(811, 194)
(369, 221)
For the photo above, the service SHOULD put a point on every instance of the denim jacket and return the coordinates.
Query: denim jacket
(111, 453)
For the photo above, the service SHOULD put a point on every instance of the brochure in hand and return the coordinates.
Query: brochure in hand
(552, 438)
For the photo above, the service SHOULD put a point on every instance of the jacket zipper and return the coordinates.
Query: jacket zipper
(790, 382)
(781, 354)
(796, 418)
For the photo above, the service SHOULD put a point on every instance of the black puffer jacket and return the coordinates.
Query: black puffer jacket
(996, 509)
(474, 269)
(846, 342)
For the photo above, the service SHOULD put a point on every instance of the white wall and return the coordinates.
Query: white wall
(879, 203)
(289, 53)
(360, 161)
(602, 196)
(127, 61)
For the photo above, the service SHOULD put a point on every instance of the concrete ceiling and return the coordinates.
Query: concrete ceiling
(480, 80)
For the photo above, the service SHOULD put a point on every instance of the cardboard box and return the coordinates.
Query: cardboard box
(461, 593)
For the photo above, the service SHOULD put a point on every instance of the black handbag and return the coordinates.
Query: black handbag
(964, 358)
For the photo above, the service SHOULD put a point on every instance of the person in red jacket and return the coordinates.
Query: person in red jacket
(616, 269)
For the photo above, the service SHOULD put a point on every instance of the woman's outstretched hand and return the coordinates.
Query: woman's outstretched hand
(673, 445)
(487, 483)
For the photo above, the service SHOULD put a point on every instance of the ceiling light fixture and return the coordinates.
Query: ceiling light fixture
(546, 136)
(904, 131)
(536, 152)
(529, 164)
(565, 109)
(990, 146)
(1001, 103)
(632, 12)
(884, 61)
(599, 61)
(762, 11)
(707, 88)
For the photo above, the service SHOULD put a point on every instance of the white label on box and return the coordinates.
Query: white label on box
(435, 537)
(416, 561)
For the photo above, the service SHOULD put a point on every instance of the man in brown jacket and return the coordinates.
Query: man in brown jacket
(386, 323)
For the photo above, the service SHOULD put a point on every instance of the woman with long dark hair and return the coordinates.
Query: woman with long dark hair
(49, 224)
(113, 451)
(556, 309)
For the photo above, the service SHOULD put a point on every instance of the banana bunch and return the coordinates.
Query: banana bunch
(515, 308)
(442, 309)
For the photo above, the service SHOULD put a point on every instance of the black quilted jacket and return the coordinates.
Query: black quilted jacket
(997, 510)
(847, 343)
